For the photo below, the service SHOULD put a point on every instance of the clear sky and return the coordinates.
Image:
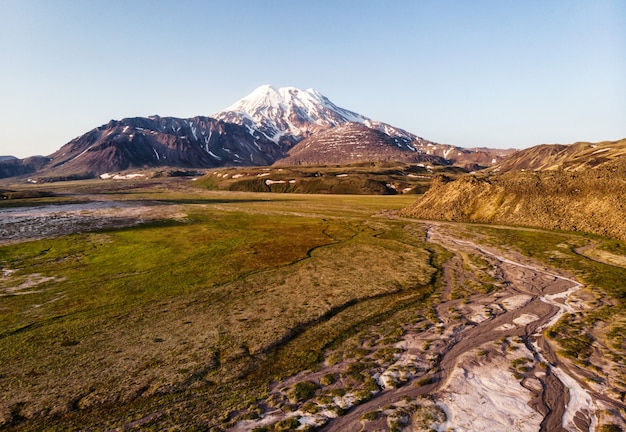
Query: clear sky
(471, 73)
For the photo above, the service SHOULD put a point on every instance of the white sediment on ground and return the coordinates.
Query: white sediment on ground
(579, 400)
(525, 319)
(516, 302)
(27, 223)
(487, 397)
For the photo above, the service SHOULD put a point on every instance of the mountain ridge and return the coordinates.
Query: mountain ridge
(259, 129)
(198, 142)
(571, 189)
(578, 156)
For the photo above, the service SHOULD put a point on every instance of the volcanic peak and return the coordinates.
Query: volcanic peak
(287, 115)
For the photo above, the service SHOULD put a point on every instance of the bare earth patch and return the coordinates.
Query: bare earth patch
(485, 395)
(602, 256)
(30, 223)
(12, 285)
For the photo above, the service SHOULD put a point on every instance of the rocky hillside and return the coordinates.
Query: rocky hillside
(574, 157)
(473, 159)
(591, 201)
(363, 178)
(11, 166)
(132, 143)
(353, 143)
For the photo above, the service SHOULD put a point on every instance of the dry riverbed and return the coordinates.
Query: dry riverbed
(478, 361)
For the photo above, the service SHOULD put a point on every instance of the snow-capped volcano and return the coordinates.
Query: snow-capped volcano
(287, 115)
(267, 126)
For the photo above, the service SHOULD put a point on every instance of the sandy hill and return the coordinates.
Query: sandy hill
(566, 195)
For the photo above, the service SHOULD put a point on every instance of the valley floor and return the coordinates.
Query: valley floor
(370, 323)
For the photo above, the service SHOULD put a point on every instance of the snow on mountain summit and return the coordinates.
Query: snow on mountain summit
(287, 115)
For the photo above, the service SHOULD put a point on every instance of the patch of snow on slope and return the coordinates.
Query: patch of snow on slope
(83, 152)
(277, 137)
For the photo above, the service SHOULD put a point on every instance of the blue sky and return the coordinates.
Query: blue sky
(470, 73)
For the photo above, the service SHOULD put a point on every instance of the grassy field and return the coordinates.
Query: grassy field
(185, 321)
(383, 178)
(188, 320)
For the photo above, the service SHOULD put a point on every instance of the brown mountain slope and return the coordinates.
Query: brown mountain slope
(147, 142)
(353, 143)
(11, 166)
(591, 201)
(573, 157)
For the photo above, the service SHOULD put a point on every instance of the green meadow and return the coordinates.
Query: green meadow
(187, 318)
(184, 321)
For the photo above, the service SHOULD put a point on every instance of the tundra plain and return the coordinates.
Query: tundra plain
(156, 304)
